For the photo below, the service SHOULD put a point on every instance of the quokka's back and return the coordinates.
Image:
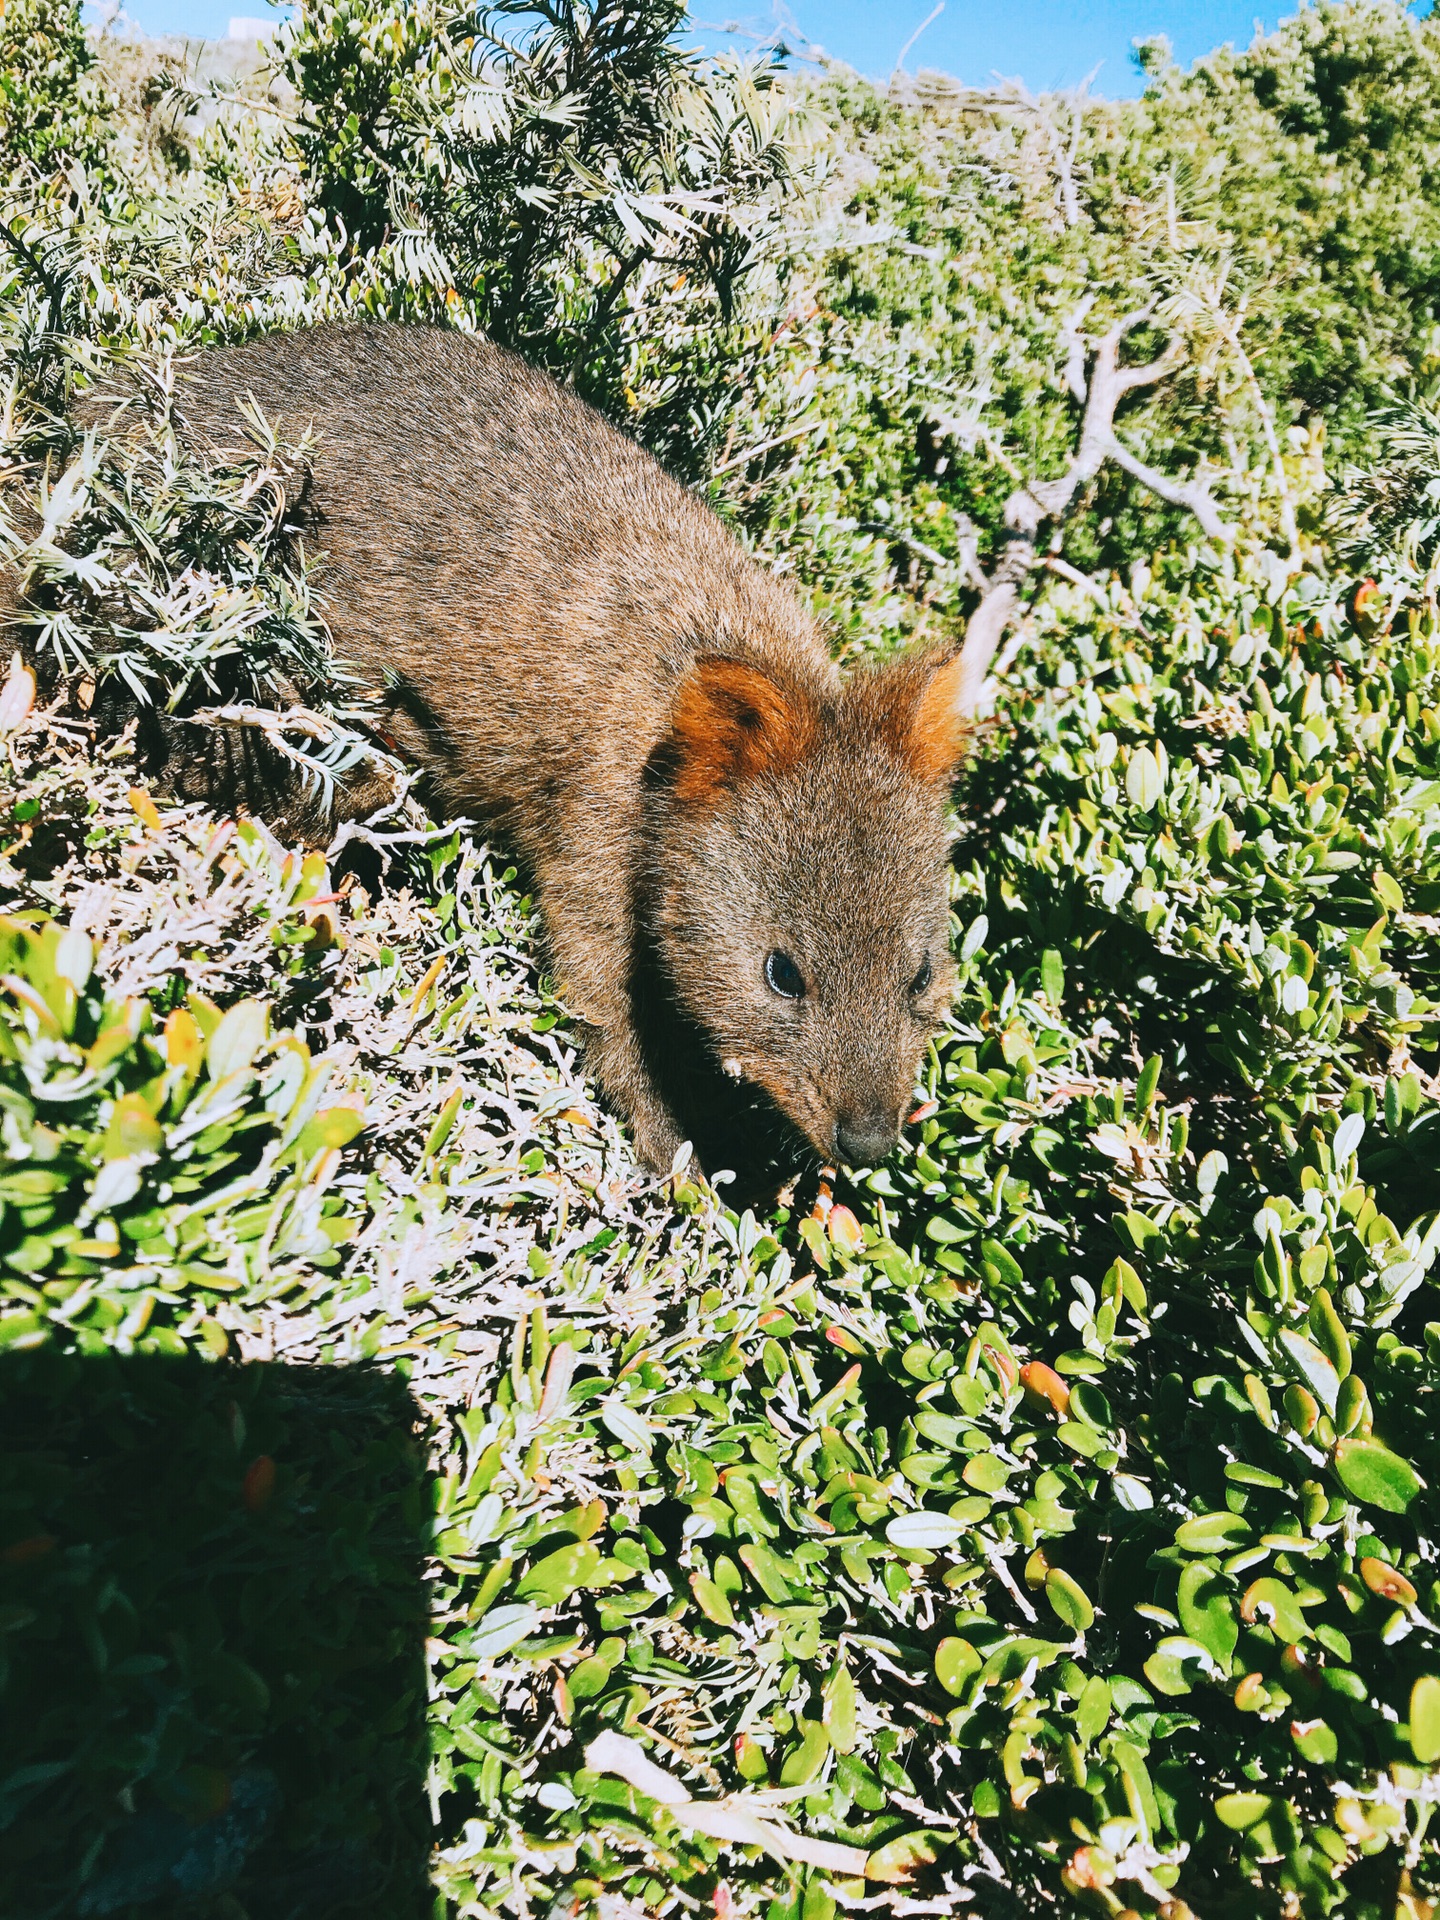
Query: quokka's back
(536, 578)
(740, 858)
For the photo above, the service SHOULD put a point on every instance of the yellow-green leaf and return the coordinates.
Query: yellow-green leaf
(802, 1763)
(1425, 1719)
(1069, 1599)
(1241, 1811)
(956, 1661)
(331, 1127)
(839, 1708)
(1211, 1533)
(1207, 1611)
(900, 1860)
(711, 1600)
(1144, 782)
(238, 1038)
(1373, 1475)
(132, 1129)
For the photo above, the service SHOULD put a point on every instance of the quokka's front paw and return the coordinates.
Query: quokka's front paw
(657, 1140)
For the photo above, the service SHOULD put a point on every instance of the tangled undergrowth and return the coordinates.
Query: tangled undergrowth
(408, 1506)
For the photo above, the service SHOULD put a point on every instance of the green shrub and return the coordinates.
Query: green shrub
(52, 106)
(194, 1155)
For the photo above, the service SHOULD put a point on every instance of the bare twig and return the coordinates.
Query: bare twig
(1230, 329)
(933, 15)
(968, 540)
(310, 726)
(1188, 493)
(1013, 99)
(1099, 381)
(1007, 1580)
(362, 831)
(786, 33)
(1072, 338)
(1063, 570)
(984, 634)
(1063, 153)
(1070, 196)
(764, 446)
(941, 562)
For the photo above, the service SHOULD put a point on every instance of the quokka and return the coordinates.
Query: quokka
(740, 855)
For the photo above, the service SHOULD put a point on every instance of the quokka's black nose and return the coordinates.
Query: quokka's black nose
(864, 1140)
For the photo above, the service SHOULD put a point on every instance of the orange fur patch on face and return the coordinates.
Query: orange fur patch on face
(730, 723)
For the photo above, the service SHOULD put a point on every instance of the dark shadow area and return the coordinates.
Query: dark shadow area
(230, 770)
(212, 1679)
(733, 1125)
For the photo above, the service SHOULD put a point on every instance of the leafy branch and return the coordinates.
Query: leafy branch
(53, 285)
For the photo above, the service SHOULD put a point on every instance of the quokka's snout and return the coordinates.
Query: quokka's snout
(740, 856)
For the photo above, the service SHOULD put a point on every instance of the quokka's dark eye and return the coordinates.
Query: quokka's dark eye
(924, 975)
(782, 976)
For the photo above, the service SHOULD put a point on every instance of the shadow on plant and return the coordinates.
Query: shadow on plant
(214, 1696)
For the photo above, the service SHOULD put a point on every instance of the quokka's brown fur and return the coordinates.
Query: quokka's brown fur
(578, 651)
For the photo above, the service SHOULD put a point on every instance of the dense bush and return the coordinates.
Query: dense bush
(1051, 1522)
(547, 173)
(1316, 151)
(50, 105)
(1276, 208)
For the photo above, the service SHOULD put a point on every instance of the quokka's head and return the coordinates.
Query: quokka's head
(798, 885)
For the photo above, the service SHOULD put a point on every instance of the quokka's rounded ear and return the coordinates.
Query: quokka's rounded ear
(730, 722)
(922, 715)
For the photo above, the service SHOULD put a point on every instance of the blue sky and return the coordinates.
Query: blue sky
(1046, 43)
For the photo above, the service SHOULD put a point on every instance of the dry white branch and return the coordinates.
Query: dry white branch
(738, 1817)
(968, 540)
(1072, 338)
(1099, 381)
(1063, 570)
(1193, 493)
(309, 725)
(929, 20)
(1229, 327)
(765, 446)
